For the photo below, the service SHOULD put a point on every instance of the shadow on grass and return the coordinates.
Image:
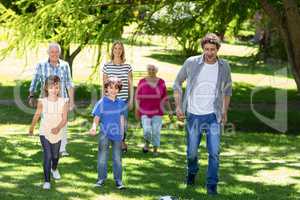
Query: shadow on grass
(148, 177)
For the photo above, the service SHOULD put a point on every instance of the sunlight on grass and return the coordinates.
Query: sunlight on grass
(252, 166)
(277, 176)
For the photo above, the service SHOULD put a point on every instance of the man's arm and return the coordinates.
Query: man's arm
(178, 104)
(71, 96)
(177, 87)
(70, 87)
(227, 95)
(33, 85)
(226, 102)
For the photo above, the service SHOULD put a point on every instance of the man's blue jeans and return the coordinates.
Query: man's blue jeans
(195, 126)
(103, 154)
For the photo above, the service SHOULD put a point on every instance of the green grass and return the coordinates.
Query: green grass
(253, 165)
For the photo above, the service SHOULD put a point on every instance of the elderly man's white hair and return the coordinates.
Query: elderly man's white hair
(152, 65)
(54, 45)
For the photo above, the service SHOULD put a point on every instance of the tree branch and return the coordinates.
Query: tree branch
(131, 3)
(76, 52)
(272, 12)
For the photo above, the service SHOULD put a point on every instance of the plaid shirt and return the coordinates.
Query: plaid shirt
(45, 69)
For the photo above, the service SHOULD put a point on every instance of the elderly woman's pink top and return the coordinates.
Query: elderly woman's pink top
(151, 98)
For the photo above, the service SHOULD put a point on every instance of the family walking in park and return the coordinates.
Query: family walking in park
(202, 106)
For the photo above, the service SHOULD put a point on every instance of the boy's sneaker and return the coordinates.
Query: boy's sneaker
(212, 189)
(120, 185)
(55, 174)
(46, 186)
(99, 183)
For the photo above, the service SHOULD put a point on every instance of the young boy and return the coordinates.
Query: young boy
(109, 111)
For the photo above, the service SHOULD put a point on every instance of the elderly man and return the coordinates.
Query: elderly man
(205, 106)
(54, 66)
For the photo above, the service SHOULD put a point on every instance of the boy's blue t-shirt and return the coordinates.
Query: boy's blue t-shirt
(110, 112)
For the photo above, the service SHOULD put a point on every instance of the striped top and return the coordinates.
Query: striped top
(44, 69)
(121, 71)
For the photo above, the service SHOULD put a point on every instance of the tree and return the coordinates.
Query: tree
(188, 21)
(79, 22)
(286, 17)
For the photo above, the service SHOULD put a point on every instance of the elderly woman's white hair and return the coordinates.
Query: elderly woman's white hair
(54, 45)
(152, 65)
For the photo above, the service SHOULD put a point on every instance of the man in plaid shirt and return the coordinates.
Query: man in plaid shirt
(54, 66)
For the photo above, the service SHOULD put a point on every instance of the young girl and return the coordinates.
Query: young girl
(53, 111)
(109, 111)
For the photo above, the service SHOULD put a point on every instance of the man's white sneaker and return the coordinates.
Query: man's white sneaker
(55, 174)
(46, 186)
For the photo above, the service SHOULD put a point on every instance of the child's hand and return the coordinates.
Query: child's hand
(93, 132)
(55, 131)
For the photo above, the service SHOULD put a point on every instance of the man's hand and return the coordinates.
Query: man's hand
(71, 105)
(31, 101)
(55, 130)
(180, 114)
(93, 132)
(224, 118)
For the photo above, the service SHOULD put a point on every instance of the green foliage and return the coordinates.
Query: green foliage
(30, 22)
(190, 20)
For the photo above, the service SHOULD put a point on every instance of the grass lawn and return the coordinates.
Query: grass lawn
(253, 165)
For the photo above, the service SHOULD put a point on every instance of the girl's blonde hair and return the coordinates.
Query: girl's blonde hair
(123, 51)
(51, 80)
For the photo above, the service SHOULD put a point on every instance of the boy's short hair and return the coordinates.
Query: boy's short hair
(113, 81)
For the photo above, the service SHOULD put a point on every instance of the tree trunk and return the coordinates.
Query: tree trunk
(293, 33)
(65, 54)
(288, 24)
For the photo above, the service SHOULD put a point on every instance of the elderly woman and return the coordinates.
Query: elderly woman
(151, 97)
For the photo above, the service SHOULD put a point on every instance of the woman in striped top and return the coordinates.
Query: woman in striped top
(118, 68)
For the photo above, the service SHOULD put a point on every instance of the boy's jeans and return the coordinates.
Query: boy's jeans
(103, 154)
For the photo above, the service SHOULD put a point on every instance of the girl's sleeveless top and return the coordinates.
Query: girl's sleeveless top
(51, 117)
